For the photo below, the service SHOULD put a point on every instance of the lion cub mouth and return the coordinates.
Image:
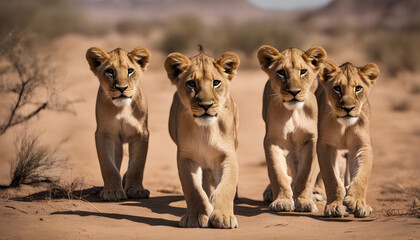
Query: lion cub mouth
(205, 119)
(122, 96)
(293, 104)
(121, 101)
(347, 120)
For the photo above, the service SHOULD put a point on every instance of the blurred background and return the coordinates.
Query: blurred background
(46, 40)
(386, 31)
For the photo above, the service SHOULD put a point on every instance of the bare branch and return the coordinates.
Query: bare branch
(21, 119)
(28, 78)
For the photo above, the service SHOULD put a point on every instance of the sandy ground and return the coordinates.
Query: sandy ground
(393, 186)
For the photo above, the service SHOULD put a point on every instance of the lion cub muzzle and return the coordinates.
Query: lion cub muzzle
(124, 96)
(292, 101)
(205, 112)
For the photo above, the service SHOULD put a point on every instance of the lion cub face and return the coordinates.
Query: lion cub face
(118, 72)
(347, 88)
(202, 82)
(292, 72)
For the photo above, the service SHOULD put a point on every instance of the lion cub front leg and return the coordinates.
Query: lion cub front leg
(198, 205)
(133, 178)
(305, 177)
(279, 179)
(106, 148)
(327, 156)
(223, 196)
(360, 162)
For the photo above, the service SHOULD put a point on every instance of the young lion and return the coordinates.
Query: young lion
(344, 115)
(290, 113)
(203, 122)
(121, 117)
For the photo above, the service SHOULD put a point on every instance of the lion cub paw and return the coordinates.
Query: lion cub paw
(335, 209)
(219, 219)
(282, 205)
(136, 193)
(268, 194)
(318, 195)
(196, 218)
(304, 205)
(357, 206)
(113, 194)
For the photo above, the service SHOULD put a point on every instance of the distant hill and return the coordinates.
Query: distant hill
(211, 11)
(368, 12)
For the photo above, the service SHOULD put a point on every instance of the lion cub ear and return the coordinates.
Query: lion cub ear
(96, 57)
(141, 56)
(267, 55)
(315, 56)
(229, 61)
(328, 71)
(175, 64)
(371, 71)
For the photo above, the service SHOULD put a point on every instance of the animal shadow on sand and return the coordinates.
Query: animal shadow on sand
(162, 205)
(249, 207)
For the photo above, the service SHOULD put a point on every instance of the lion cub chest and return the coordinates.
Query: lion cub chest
(291, 129)
(205, 145)
(127, 126)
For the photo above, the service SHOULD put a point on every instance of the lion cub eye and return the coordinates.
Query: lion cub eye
(191, 84)
(337, 89)
(282, 73)
(110, 72)
(303, 71)
(358, 88)
(130, 71)
(216, 83)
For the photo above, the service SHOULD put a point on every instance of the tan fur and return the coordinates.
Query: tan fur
(121, 119)
(351, 134)
(291, 129)
(207, 158)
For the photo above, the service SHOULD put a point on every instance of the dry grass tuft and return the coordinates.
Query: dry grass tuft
(414, 210)
(70, 190)
(34, 162)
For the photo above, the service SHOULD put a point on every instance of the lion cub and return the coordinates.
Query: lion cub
(290, 113)
(203, 123)
(121, 117)
(344, 117)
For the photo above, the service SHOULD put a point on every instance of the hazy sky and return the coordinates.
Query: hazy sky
(289, 4)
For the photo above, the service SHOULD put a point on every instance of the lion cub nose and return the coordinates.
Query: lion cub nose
(347, 109)
(205, 106)
(121, 89)
(294, 92)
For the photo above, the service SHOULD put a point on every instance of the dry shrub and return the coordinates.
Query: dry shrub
(72, 189)
(47, 18)
(181, 33)
(27, 82)
(185, 33)
(248, 37)
(401, 106)
(415, 88)
(396, 51)
(134, 26)
(414, 210)
(34, 162)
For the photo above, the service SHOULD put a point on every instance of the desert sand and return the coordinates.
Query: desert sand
(393, 186)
